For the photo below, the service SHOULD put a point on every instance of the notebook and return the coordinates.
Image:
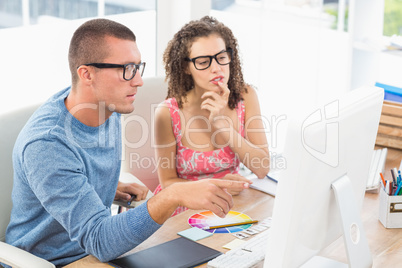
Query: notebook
(180, 252)
(267, 185)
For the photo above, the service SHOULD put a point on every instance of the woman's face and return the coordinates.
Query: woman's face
(208, 78)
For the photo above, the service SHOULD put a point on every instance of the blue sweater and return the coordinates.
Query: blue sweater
(65, 179)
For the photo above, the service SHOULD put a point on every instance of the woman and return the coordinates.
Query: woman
(210, 121)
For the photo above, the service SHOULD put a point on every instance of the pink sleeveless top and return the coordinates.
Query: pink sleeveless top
(196, 165)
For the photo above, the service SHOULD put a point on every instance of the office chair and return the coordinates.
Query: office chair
(10, 125)
(138, 132)
(152, 93)
(138, 153)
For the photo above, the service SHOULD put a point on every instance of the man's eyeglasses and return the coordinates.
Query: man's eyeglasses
(129, 69)
(203, 62)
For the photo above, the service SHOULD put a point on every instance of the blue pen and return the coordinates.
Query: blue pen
(398, 189)
(272, 179)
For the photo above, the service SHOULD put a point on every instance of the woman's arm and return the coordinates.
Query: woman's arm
(255, 153)
(165, 147)
(253, 148)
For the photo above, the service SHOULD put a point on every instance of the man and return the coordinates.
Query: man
(67, 160)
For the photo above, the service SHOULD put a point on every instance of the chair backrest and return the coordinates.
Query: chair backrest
(138, 132)
(137, 129)
(11, 124)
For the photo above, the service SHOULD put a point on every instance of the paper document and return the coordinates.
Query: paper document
(266, 185)
(377, 166)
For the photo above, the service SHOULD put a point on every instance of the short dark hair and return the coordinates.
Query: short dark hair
(88, 42)
(179, 82)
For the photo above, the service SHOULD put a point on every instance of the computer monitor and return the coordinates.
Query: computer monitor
(320, 192)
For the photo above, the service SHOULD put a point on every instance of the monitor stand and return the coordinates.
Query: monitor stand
(354, 236)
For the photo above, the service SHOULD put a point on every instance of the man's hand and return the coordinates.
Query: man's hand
(208, 194)
(126, 190)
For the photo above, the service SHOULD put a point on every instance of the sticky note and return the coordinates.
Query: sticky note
(234, 244)
(194, 234)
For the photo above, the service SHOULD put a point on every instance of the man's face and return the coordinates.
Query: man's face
(109, 86)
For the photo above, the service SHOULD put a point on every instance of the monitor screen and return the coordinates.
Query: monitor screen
(331, 143)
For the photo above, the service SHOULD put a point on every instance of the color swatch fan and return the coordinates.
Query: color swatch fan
(207, 218)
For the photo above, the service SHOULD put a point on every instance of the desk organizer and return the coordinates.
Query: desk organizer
(390, 210)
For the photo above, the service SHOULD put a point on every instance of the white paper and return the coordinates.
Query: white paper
(265, 185)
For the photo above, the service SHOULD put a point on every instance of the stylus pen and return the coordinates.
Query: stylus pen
(229, 224)
(131, 199)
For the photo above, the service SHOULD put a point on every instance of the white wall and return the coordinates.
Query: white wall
(389, 69)
(292, 61)
(34, 63)
(171, 16)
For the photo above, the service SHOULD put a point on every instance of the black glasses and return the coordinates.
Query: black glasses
(203, 62)
(129, 69)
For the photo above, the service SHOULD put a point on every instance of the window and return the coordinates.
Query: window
(28, 12)
(43, 46)
(392, 17)
(10, 13)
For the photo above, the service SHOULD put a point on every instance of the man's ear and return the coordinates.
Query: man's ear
(84, 73)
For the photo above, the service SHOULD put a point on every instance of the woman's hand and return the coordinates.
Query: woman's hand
(217, 104)
(236, 177)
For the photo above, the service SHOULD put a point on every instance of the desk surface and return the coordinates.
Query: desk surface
(385, 244)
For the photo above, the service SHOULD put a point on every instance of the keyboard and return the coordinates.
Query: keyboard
(246, 255)
(376, 167)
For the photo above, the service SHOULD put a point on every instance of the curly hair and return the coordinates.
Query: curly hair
(179, 82)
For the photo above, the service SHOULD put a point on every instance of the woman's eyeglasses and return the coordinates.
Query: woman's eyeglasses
(203, 62)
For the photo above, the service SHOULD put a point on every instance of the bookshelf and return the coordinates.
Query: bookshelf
(390, 128)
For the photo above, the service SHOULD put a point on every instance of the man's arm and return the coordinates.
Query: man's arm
(59, 180)
(209, 194)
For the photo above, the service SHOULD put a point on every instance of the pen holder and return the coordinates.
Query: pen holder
(390, 214)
